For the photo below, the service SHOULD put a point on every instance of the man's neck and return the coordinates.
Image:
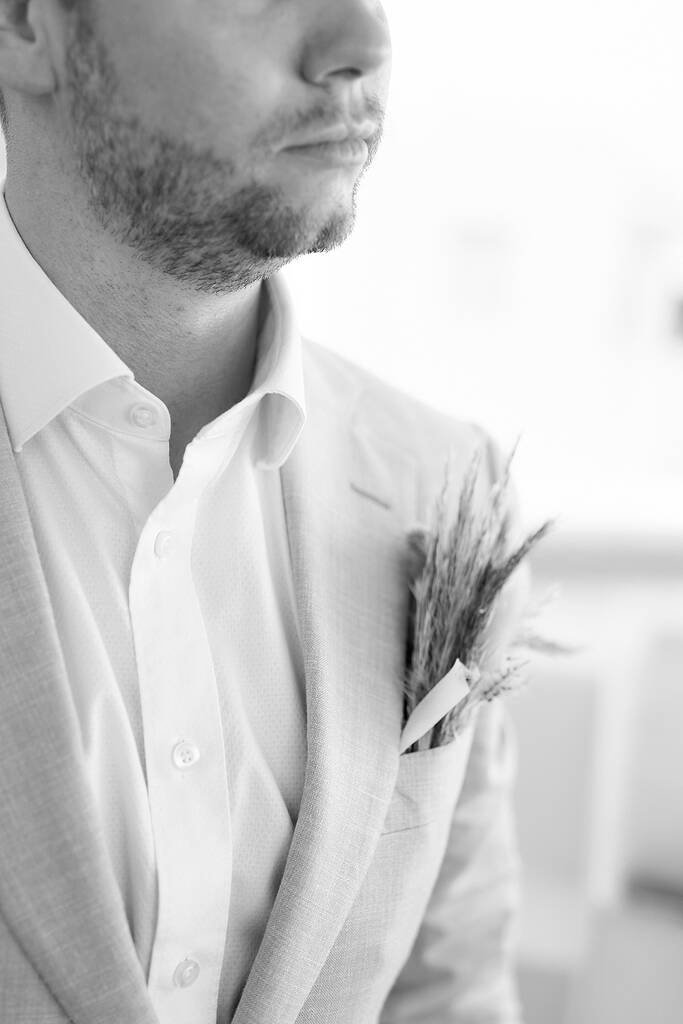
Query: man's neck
(194, 351)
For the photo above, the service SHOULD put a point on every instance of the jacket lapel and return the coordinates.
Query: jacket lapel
(56, 887)
(346, 500)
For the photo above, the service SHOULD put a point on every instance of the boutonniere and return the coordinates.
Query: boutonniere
(465, 633)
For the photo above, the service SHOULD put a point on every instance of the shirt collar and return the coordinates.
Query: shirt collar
(51, 358)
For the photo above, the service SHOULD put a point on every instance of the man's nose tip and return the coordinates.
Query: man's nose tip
(354, 44)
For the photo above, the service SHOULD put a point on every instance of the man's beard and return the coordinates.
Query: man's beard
(176, 205)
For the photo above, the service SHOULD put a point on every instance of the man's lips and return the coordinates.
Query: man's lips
(341, 132)
(352, 150)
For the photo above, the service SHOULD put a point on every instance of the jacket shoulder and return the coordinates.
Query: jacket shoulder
(403, 420)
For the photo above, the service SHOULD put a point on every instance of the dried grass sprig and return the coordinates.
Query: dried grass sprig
(457, 576)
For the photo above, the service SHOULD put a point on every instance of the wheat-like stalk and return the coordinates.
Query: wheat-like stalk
(458, 576)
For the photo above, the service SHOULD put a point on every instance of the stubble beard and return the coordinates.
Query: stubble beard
(176, 205)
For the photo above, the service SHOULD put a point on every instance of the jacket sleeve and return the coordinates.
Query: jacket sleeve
(460, 969)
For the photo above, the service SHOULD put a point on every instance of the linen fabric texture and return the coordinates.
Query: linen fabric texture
(311, 871)
(171, 654)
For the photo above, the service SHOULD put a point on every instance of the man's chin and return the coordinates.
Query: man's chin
(333, 233)
(286, 235)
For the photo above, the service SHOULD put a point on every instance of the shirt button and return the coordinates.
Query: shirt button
(185, 754)
(186, 973)
(163, 544)
(143, 415)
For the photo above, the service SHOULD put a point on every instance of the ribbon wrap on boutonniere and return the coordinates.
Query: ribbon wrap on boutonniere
(465, 634)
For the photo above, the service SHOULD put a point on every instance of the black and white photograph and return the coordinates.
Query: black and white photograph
(341, 512)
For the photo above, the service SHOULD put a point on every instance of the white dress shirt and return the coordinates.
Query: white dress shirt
(175, 610)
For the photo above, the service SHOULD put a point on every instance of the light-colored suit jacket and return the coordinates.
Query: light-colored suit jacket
(400, 883)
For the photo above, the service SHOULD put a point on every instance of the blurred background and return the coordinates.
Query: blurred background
(518, 260)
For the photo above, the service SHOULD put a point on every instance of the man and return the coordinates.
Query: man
(205, 815)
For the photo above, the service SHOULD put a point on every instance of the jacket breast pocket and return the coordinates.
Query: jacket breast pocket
(428, 784)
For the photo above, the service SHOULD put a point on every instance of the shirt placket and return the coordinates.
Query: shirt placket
(184, 754)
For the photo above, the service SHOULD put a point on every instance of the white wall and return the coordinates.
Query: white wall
(517, 257)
